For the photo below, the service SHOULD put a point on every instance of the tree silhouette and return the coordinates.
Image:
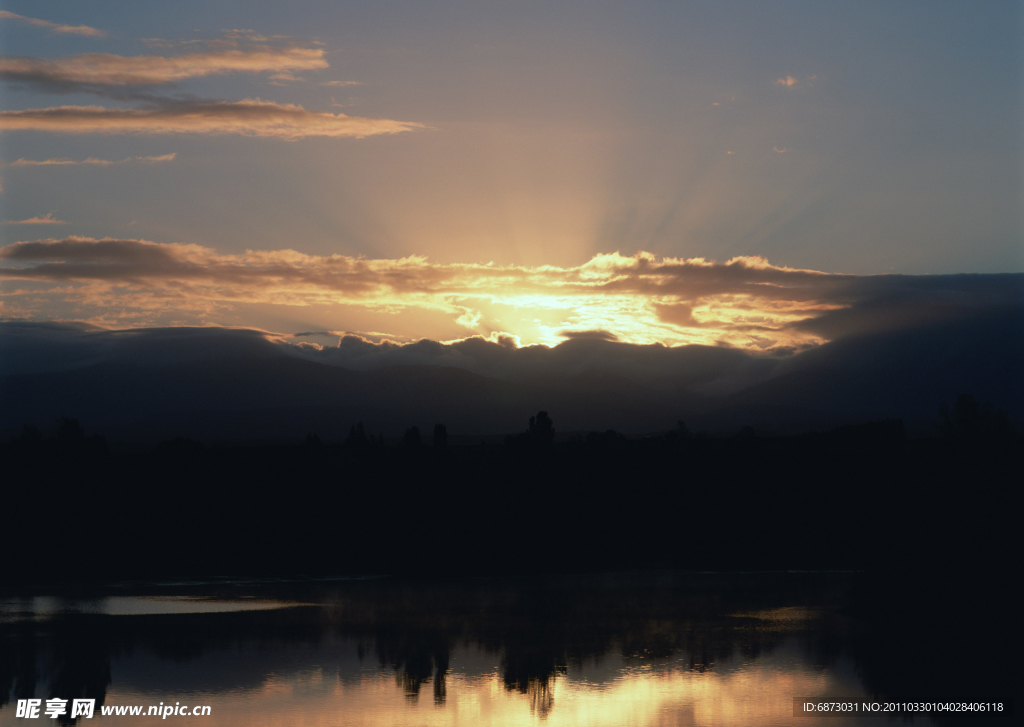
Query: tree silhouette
(356, 436)
(542, 429)
(971, 419)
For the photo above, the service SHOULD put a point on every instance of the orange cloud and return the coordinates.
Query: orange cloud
(251, 117)
(641, 298)
(787, 81)
(112, 70)
(47, 219)
(91, 161)
(53, 27)
(745, 302)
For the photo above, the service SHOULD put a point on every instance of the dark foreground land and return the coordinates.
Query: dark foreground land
(855, 498)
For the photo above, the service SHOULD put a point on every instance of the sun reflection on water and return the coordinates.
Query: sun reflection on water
(610, 693)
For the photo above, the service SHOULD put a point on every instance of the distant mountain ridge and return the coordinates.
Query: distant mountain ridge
(236, 384)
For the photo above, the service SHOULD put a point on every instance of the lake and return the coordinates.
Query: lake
(588, 650)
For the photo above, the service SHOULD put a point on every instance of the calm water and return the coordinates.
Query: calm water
(623, 650)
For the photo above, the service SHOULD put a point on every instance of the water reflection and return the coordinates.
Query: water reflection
(743, 694)
(42, 607)
(680, 650)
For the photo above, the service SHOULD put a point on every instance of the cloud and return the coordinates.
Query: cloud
(342, 83)
(787, 81)
(277, 78)
(232, 38)
(745, 302)
(53, 27)
(125, 78)
(251, 117)
(47, 219)
(91, 161)
(777, 150)
(104, 69)
(589, 335)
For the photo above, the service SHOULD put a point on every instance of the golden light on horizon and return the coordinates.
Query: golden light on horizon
(640, 299)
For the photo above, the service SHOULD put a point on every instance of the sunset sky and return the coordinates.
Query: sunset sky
(674, 172)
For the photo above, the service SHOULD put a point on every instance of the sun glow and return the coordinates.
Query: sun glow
(642, 299)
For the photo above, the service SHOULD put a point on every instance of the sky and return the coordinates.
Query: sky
(660, 172)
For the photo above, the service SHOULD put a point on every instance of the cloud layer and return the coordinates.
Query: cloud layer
(745, 302)
(106, 69)
(91, 161)
(53, 27)
(47, 219)
(130, 77)
(251, 117)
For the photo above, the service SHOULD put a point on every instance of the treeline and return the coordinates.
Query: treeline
(856, 497)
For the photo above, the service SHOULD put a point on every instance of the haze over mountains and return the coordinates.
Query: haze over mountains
(236, 384)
